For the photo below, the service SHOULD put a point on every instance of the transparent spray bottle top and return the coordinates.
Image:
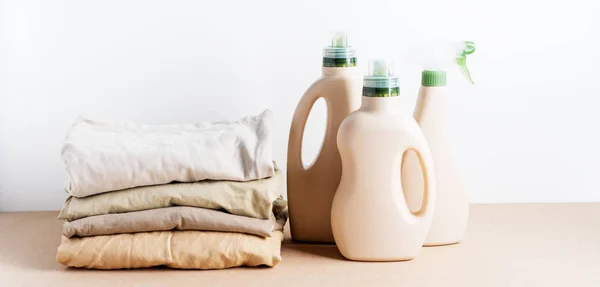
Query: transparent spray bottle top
(381, 80)
(435, 58)
(339, 54)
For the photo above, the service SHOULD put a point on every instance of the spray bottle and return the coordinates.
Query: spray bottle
(432, 113)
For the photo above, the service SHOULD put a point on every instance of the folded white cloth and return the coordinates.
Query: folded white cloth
(106, 156)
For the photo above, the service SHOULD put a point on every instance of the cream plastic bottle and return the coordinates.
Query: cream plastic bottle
(369, 216)
(310, 190)
(432, 113)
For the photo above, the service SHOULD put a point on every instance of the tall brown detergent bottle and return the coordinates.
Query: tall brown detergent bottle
(310, 189)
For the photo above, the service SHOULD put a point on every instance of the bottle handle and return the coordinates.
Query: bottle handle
(418, 144)
(305, 106)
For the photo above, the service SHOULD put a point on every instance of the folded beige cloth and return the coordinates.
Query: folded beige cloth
(252, 198)
(177, 217)
(176, 249)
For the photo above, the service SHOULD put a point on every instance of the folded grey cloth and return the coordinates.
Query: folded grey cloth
(173, 218)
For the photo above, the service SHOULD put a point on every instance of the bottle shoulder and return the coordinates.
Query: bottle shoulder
(364, 128)
(361, 120)
(346, 78)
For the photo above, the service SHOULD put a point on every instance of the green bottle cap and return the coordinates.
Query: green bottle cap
(339, 54)
(381, 82)
(433, 78)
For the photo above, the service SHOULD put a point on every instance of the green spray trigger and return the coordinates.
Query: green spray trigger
(461, 60)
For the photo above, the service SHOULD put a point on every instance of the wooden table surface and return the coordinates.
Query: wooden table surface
(506, 245)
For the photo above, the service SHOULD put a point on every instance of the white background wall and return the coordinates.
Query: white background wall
(527, 132)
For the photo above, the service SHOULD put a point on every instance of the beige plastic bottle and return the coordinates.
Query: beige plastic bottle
(369, 216)
(310, 190)
(432, 112)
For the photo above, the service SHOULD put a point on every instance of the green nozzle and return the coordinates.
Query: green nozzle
(461, 60)
(339, 40)
(381, 68)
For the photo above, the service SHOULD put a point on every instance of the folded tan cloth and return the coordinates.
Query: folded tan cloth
(176, 249)
(251, 198)
(169, 218)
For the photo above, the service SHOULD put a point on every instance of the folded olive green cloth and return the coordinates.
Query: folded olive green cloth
(251, 198)
(174, 218)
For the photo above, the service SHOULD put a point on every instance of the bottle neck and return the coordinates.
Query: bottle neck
(389, 105)
(346, 71)
(339, 62)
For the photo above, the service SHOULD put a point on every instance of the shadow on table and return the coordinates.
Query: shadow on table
(321, 250)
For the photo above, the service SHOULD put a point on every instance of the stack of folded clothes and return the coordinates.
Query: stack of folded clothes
(202, 196)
